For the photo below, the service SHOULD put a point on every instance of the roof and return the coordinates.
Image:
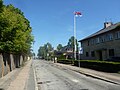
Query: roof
(65, 48)
(104, 30)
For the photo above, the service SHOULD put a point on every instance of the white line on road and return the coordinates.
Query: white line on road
(74, 80)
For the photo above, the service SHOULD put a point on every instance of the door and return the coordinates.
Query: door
(100, 55)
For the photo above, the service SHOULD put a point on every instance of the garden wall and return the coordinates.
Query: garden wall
(9, 62)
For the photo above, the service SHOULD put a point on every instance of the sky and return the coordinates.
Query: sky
(53, 20)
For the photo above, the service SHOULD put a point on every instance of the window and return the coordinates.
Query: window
(88, 43)
(93, 54)
(111, 52)
(87, 54)
(102, 39)
(92, 41)
(117, 35)
(109, 37)
(98, 40)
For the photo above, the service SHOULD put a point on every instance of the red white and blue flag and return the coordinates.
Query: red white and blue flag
(77, 14)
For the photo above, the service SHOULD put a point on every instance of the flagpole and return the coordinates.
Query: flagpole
(75, 37)
(75, 46)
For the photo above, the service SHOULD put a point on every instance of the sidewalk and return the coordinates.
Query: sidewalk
(17, 79)
(20, 82)
(109, 77)
(7, 79)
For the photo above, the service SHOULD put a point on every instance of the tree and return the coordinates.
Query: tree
(15, 31)
(49, 47)
(71, 43)
(43, 51)
(1, 4)
(59, 47)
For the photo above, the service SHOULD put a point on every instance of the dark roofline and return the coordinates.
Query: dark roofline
(104, 30)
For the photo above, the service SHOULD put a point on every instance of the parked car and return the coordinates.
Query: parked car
(114, 59)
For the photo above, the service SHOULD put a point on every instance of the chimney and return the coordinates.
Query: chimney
(107, 24)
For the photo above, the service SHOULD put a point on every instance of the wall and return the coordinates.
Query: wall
(1, 65)
(9, 62)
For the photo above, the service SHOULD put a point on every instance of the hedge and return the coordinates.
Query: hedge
(99, 65)
(94, 64)
(65, 61)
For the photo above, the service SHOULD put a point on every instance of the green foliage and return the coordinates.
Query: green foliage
(71, 43)
(98, 61)
(15, 31)
(59, 47)
(61, 57)
(65, 61)
(49, 47)
(94, 64)
(99, 65)
(45, 51)
(1, 3)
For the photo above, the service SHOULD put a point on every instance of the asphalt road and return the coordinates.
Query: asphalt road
(51, 77)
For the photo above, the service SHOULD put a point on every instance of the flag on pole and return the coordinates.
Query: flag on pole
(77, 14)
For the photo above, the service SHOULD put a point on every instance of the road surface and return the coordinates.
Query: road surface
(52, 77)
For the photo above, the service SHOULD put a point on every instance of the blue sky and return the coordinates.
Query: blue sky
(52, 20)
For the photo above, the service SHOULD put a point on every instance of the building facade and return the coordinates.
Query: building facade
(103, 44)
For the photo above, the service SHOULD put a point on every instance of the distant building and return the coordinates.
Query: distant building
(66, 52)
(103, 44)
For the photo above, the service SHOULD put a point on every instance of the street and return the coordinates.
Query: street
(52, 77)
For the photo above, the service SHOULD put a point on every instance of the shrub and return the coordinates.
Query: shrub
(61, 57)
(65, 61)
(99, 65)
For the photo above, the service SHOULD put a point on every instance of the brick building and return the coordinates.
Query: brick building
(103, 44)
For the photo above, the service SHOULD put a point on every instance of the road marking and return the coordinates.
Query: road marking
(74, 80)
